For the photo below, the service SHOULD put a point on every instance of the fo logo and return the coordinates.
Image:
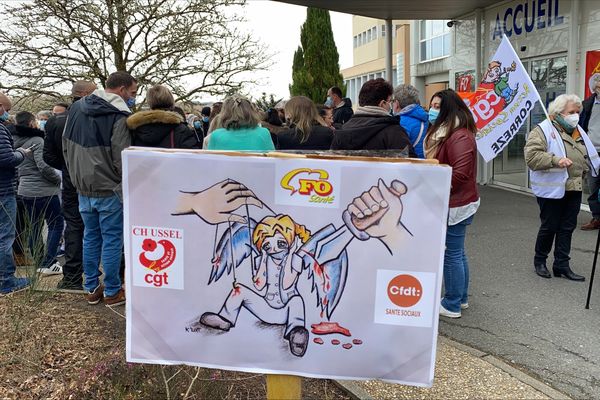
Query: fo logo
(404, 290)
(312, 183)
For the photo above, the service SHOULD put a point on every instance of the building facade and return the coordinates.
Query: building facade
(369, 53)
(552, 38)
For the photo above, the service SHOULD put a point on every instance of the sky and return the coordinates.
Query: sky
(282, 36)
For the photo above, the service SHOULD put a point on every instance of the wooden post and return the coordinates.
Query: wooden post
(284, 387)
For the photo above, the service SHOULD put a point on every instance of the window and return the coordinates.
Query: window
(355, 41)
(374, 29)
(368, 36)
(434, 41)
(382, 30)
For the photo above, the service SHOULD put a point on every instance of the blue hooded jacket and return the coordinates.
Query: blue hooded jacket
(415, 121)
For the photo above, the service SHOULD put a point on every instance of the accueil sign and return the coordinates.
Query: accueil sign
(526, 17)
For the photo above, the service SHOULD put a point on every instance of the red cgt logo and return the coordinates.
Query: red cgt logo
(158, 265)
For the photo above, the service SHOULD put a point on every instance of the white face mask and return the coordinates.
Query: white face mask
(572, 119)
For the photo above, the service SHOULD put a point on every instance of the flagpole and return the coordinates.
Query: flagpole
(521, 64)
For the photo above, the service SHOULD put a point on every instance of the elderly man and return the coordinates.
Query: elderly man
(590, 122)
(413, 118)
(9, 159)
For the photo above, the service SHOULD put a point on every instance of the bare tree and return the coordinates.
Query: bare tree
(192, 46)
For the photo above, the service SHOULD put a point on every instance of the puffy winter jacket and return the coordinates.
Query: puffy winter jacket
(9, 160)
(36, 178)
(94, 137)
(415, 121)
(372, 132)
(160, 128)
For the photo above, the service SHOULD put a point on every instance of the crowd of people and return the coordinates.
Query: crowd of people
(62, 168)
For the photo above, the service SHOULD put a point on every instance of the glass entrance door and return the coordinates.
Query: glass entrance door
(549, 75)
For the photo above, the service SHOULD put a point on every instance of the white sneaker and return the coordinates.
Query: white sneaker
(464, 306)
(449, 314)
(54, 269)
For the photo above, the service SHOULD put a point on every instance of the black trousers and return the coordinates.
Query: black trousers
(558, 221)
(73, 268)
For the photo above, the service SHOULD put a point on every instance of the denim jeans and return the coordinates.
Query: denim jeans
(456, 267)
(40, 209)
(8, 216)
(102, 240)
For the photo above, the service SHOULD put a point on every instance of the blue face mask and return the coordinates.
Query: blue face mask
(5, 116)
(433, 114)
(204, 119)
(130, 102)
(329, 102)
(42, 124)
(197, 124)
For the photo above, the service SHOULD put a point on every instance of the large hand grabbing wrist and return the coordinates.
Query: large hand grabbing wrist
(360, 235)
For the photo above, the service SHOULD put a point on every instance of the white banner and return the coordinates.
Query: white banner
(312, 267)
(502, 101)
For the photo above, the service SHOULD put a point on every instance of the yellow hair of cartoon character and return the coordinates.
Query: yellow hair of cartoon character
(283, 224)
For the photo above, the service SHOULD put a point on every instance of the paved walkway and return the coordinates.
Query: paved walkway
(461, 373)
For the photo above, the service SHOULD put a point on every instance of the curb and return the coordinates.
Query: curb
(356, 392)
(512, 371)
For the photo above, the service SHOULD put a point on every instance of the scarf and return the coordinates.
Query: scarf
(372, 110)
(434, 140)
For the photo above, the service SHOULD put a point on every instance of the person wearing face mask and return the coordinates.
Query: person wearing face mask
(558, 152)
(413, 118)
(43, 117)
(95, 135)
(372, 127)
(434, 109)
(10, 159)
(205, 120)
(590, 122)
(342, 107)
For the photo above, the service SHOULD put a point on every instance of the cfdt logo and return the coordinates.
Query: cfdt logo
(159, 254)
(405, 290)
(405, 298)
(312, 183)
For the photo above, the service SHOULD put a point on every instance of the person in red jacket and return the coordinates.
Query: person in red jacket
(451, 140)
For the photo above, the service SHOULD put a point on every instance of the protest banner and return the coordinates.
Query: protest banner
(592, 66)
(502, 101)
(315, 267)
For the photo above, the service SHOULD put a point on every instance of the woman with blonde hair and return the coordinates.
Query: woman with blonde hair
(239, 128)
(307, 129)
(161, 126)
(558, 152)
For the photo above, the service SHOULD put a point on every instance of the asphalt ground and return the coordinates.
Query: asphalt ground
(537, 325)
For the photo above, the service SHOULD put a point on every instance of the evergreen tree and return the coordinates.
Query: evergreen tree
(316, 62)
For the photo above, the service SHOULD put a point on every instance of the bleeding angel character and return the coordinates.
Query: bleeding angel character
(280, 250)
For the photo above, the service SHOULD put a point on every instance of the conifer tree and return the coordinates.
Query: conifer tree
(316, 62)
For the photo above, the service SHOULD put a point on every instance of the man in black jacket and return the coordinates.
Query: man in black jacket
(590, 122)
(372, 127)
(53, 156)
(9, 160)
(342, 107)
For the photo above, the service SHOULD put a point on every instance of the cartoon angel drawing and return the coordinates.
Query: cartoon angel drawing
(281, 251)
